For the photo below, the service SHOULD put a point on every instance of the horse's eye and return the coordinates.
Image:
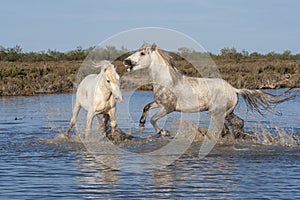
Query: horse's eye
(142, 53)
(108, 81)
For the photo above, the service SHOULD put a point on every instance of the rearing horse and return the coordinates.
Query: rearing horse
(176, 92)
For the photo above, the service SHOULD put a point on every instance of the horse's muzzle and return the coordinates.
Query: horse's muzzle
(119, 98)
(129, 63)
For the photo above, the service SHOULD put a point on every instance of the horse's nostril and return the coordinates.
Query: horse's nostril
(120, 99)
(127, 62)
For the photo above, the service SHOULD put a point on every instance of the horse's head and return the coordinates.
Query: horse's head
(112, 81)
(141, 58)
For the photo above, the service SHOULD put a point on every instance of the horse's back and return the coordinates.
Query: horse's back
(217, 84)
(221, 93)
(88, 82)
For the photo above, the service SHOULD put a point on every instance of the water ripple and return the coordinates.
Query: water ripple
(38, 164)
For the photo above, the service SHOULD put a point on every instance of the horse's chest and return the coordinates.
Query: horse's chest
(102, 106)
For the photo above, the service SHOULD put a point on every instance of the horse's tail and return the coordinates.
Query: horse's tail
(258, 100)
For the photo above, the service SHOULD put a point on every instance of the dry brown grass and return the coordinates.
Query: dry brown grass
(33, 78)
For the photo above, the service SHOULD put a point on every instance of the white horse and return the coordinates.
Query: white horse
(176, 92)
(97, 94)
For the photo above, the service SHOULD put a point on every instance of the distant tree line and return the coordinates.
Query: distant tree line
(111, 52)
(233, 54)
(16, 54)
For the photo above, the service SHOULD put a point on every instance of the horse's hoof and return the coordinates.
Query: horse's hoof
(157, 135)
(67, 135)
(247, 136)
(141, 129)
(142, 124)
(164, 132)
(117, 131)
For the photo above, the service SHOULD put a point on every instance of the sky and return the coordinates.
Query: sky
(256, 26)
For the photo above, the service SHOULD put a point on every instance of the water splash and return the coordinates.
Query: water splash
(61, 138)
(277, 136)
(270, 135)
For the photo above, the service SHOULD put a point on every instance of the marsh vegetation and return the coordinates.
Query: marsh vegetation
(34, 73)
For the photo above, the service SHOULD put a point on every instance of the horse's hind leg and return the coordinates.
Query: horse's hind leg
(236, 123)
(73, 119)
(146, 109)
(225, 130)
(161, 113)
(103, 121)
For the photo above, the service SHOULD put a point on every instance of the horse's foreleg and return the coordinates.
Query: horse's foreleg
(146, 109)
(89, 121)
(161, 113)
(113, 122)
(76, 110)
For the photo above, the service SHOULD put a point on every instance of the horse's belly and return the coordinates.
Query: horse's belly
(194, 106)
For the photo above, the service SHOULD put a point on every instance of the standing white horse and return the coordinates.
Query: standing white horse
(97, 94)
(176, 92)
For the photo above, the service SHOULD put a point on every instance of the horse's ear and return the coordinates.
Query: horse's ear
(105, 68)
(153, 47)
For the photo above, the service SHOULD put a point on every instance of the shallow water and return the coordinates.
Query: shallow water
(37, 163)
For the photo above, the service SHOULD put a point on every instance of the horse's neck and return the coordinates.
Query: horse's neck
(101, 87)
(161, 72)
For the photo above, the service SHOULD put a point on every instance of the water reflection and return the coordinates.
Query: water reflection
(213, 176)
(96, 173)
